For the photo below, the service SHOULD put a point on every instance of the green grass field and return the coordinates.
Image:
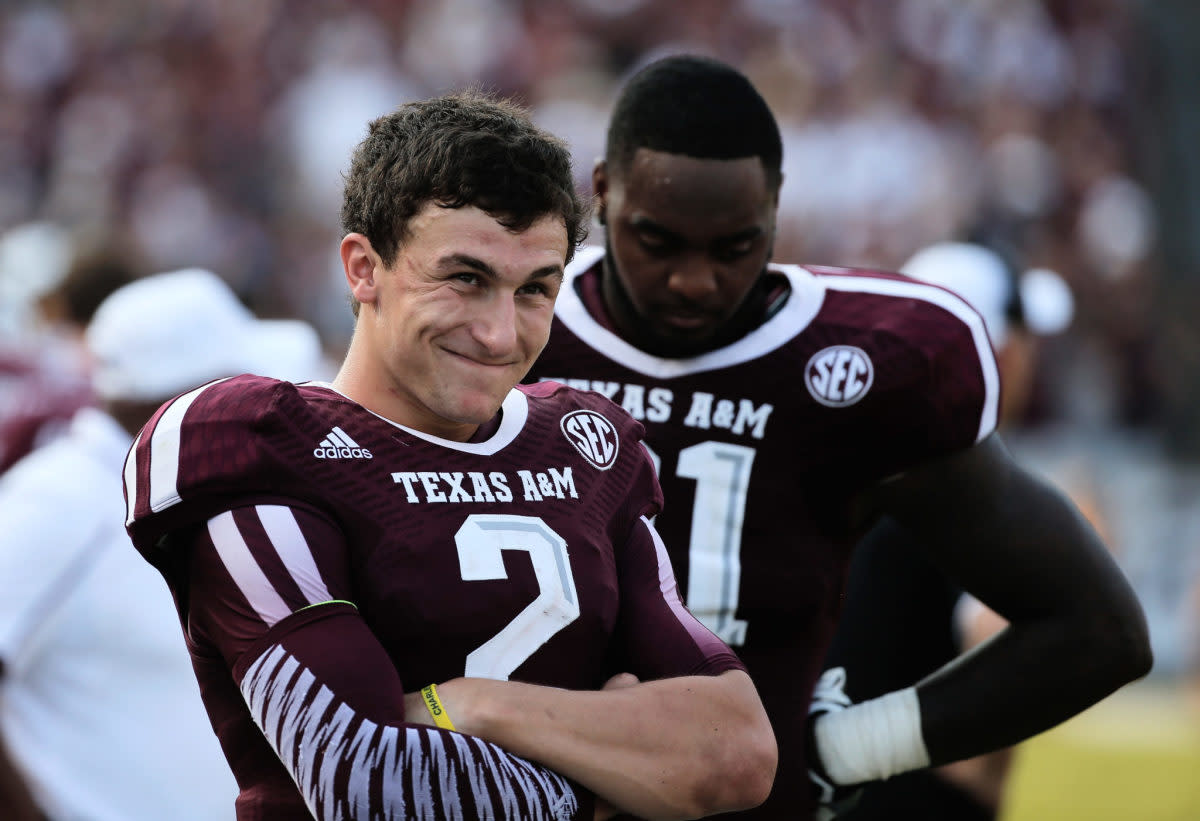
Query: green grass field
(1133, 757)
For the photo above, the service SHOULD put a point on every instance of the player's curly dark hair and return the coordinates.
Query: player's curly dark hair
(695, 106)
(460, 149)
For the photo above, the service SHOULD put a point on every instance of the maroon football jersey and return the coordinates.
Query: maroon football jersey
(40, 390)
(528, 555)
(762, 444)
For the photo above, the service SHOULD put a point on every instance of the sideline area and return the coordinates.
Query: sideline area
(1135, 755)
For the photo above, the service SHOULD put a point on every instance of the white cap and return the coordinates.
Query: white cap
(34, 259)
(981, 277)
(165, 334)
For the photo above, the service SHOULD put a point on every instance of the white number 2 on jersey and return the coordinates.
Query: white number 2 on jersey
(722, 474)
(481, 541)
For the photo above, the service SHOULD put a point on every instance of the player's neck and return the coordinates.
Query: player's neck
(611, 306)
(363, 380)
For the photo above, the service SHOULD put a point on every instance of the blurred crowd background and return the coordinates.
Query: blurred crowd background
(213, 133)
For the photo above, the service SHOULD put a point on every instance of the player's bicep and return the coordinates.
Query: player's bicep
(251, 568)
(994, 527)
(662, 637)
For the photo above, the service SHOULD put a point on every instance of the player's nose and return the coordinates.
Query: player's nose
(495, 328)
(693, 280)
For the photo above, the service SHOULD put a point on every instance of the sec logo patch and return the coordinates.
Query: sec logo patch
(593, 436)
(839, 375)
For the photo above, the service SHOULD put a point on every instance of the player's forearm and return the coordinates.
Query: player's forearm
(674, 748)
(349, 767)
(1029, 678)
(1077, 634)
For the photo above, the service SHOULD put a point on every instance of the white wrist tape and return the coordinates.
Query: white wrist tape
(873, 739)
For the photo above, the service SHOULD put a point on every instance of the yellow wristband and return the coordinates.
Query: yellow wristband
(440, 717)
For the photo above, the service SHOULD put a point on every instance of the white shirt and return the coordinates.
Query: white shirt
(99, 706)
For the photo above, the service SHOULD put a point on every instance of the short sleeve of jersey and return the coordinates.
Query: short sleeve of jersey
(935, 386)
(221, 446)
(963, 379)
(251, 568)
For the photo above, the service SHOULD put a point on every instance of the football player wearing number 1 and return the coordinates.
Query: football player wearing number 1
(789, 407)
(395, 585)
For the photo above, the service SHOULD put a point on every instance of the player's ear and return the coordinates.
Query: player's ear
(600, 189)
(361, 265)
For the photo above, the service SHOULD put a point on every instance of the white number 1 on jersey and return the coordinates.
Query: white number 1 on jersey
(722, 474)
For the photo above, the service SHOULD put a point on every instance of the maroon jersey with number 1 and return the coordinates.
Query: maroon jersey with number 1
(763, 444)
(279, 511)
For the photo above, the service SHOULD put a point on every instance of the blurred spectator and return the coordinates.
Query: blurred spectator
(47, 299)
(204, 131)
(99, 708)
(1020, 307)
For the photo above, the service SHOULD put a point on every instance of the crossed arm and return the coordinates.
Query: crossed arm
(679, 733)
(671, 746)
(674, 748)
(326, 696)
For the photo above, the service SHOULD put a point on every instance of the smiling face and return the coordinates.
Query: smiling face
(448, 329)
(687, 241)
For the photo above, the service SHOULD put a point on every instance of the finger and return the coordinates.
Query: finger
(621, 681)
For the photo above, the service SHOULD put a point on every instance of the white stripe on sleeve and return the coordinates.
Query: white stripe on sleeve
(247, 575)
(131, 488)
(666, 580)
(164, 450)
(284, 532)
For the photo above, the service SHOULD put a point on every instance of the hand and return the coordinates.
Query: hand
(604, 810)
(620, 681)
(829, 696)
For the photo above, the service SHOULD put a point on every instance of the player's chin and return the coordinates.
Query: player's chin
(677, 341)
(477, 404)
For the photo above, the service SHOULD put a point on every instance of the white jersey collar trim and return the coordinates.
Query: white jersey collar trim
(514, 410)
(802, 306)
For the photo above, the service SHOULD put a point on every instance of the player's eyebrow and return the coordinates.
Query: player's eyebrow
(481, 267)
(644, 223)
(745, 235)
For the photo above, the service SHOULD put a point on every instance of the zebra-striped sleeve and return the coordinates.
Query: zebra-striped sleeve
(347, 766)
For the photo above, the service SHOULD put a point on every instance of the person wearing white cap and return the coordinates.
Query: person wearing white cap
(1018, 306)
(48, 293)
(903, 618)
(164, 334)
(99, 707)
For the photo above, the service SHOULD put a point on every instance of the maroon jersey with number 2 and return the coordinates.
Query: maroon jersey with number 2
(325, 560)
(762, 444)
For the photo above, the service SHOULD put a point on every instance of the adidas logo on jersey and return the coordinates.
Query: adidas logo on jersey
(338, 445)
